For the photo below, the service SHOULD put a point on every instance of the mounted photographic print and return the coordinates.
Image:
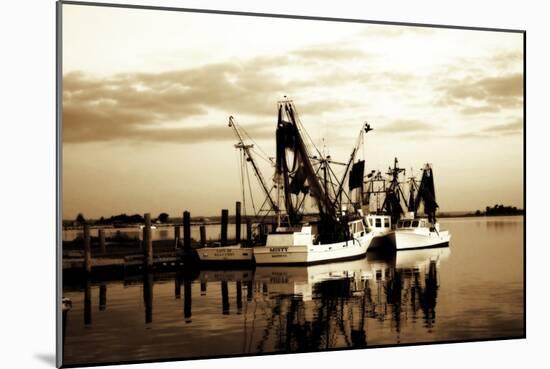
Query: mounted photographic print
(237, 184)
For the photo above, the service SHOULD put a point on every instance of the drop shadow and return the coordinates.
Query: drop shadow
(46, 358)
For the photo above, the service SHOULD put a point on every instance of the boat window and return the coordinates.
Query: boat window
(415, 223)
(378, 223)
(386, 223)
(407, 224)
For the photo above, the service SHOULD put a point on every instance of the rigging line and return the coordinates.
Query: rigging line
(250, 189)
(266, 159)
(240, 153)
(255, 143)
(305, 195)
(341, 184)
(298, 120)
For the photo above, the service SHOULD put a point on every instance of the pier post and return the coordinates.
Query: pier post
(101, 236)
(203, 234)
(186, 231)
(87, 250)
(225, 298)
(102, 297)
(249, 291)
(148, 241)
(225, 220)
(88, 302)
(203, 288)
(239, 297)
(187, 299)
(248, 232)
(148, 296)
(176, 232)
(177, 286)
(237, 222)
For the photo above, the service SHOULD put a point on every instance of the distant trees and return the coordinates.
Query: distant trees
(80, 219)
(122, 219)
(118, 220)
(500, 209)
(163, 218)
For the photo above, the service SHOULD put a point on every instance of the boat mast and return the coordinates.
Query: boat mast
(426, 193)
(301, 170)
(392, 201)
(246, 150)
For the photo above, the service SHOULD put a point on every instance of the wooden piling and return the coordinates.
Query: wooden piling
(203, 234)
(147, 242)
(87, 302)
(237, 222)
(176, 232)
(248, 232)
(249, 291)
(87, 250)
(148, 296)
(239, 297)
(225, 220)
(101, 236)
(102, 297)
(177, 286)
(187, 299)
(186, 230)
(225, 298)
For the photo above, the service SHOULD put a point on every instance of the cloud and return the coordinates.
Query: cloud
(329, 52)
(503, 129)
(132, 106)
(406, 126)
(515, 126)
(484, 95)
(506, 59)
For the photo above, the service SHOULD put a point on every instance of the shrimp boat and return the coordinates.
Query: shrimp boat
(417, 234)
(335, 233)
(380, 221)
(414, 232)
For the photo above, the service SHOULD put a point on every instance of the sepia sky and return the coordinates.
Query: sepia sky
(147, 95)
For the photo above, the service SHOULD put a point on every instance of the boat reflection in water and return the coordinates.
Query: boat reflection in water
(354, 304)
(328, 306)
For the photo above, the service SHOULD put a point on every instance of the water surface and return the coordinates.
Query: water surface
(472, 289)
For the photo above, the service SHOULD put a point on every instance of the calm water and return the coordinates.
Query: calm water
(470, 290)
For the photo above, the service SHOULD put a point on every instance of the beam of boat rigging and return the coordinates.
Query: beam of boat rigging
(246, 149)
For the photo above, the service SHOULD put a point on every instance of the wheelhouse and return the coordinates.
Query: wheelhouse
(378, 222)
(413, 223)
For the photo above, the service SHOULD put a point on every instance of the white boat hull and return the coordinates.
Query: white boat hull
(225, 254)
(409, 239)
(311, 254)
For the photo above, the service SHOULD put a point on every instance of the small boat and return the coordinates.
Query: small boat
(226, 254)
(418, 233)
(297, 245)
